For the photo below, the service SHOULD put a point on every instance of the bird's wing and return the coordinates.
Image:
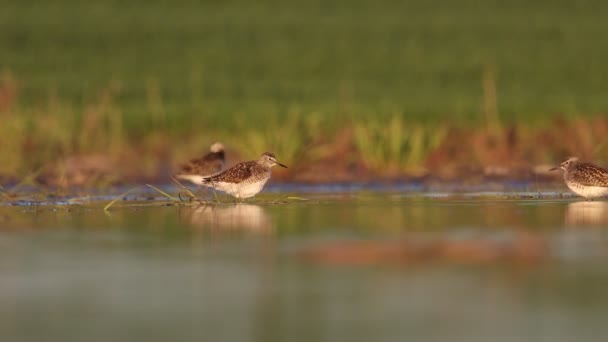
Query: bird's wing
(235, 174)
(213, 157)
(206, 165)
(188, 167)
(591, 175)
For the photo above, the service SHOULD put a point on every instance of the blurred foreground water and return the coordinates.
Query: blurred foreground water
(339, 267)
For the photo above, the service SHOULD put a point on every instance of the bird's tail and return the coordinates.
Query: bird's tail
(195, 179)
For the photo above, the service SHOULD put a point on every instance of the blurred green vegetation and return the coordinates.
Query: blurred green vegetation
(82, 76)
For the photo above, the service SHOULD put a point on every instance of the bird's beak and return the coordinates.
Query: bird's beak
(280, 164)
(555, 168)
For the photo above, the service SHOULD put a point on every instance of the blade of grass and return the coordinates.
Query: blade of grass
(28, 179)
(188, 191)
(173, 198)
(285, 199)
(217, 199)
(117, 199)
(296, 198)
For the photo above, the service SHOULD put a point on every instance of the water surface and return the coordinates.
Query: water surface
(354, 266)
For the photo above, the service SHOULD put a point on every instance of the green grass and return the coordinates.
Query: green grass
(102, 75)
(184, 59)
(394, 145)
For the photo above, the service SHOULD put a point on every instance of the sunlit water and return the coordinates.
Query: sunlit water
(354, 266)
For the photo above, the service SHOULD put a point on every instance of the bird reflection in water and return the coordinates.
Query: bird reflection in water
(586, 213)
(239, 217)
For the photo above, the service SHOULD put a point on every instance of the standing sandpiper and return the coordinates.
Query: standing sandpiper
(209, 164)
(584, 179)
(245, 179)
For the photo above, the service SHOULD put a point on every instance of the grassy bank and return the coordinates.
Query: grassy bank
(97, 150)
(379, 87)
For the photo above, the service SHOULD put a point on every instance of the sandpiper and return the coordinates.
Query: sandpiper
(209, 164)
(245, 179)
(584, 179)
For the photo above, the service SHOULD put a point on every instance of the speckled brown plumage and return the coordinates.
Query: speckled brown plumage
(245, 179)
(249, 171)
(245, 171)
(211, 163)
(584, 179)
(587, 174)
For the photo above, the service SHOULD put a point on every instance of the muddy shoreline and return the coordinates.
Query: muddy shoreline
(314, 174)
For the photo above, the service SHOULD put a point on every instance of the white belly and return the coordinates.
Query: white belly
(240, 190)
(588, 191)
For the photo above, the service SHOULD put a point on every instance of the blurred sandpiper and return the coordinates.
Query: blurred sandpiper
(584, 179)
(209, 164)
(245, 179)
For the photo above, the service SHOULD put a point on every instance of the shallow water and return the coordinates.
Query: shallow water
(354, 266)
